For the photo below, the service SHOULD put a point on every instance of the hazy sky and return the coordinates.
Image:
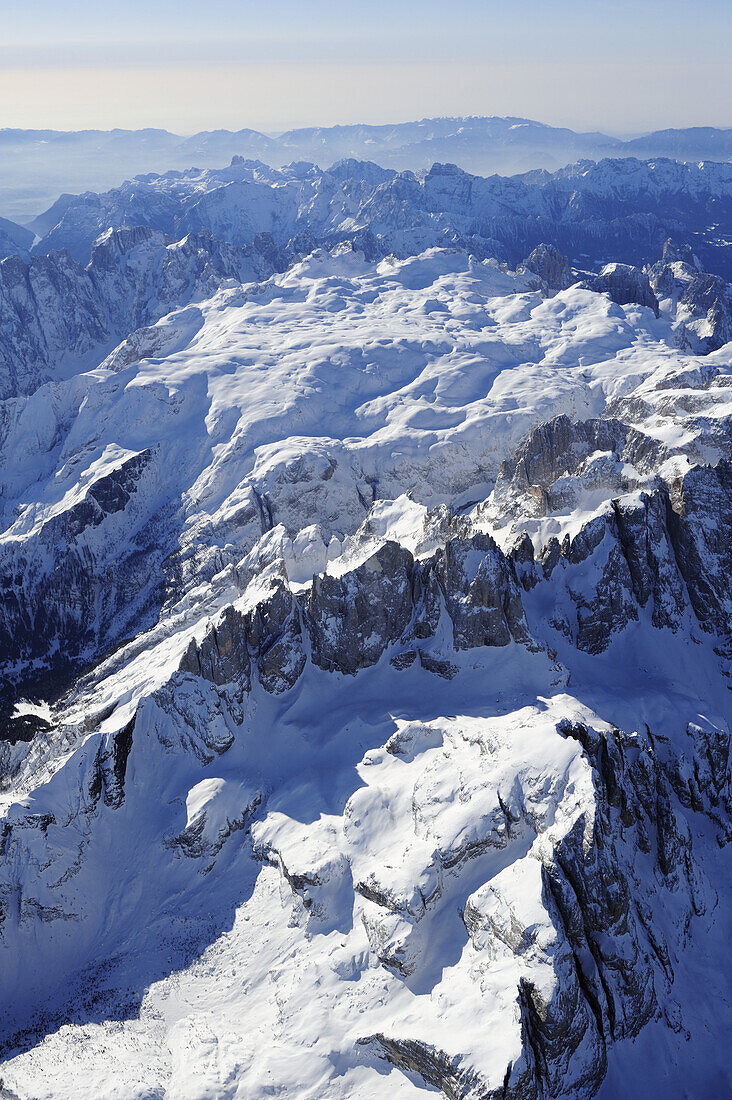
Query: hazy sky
(618, 65)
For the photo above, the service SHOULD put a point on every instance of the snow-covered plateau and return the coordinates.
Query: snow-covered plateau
(366, 631)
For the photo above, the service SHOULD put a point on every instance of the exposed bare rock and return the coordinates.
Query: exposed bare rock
(523, 559)
(438, 1069)
(607, 605)
(268, 635)
(701, 303)
(562, 459)
(110, 767)
(699, 521)
(707, 300)
(223, 655)
(480, 593)
(552, 268)
(700, 774)
(353, 619)
(648, 550)
(626, 285)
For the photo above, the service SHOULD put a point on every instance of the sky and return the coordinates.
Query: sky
(621, 66)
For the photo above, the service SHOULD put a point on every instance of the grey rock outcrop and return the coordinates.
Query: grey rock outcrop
(701, 302)
(699, 522)
(561, 459)
(708, 300)
(626, 285)
(551, 267)
(680, 253)
(222, 655)
(352, 619)
(443, 1071)
(269, 636)
(108, 773)
(622, 962)
(658, 546)
(632, 548)
(480, 593)
(699, 772)
(660, 550)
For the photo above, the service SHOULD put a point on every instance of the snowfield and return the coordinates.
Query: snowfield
(366, 637)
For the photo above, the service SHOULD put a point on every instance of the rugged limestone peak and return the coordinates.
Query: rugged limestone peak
(551, 266)
(648, 550)
(562, 461)
(480, 593)
(708, 300)
(626, 285)
(354, 618)
(684, 254)
(700, 302)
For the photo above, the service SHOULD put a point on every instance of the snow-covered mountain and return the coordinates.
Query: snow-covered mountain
(627, 206)
(38, 165)
(58, 316)
(366, 637)
(14, 239)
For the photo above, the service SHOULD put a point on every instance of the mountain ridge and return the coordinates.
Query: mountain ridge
(636, 204)
(32, 175)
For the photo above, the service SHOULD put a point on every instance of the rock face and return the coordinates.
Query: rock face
(268, 636)
(707, 300)
(679, 253)
(480, 593)
(647, 550)
(353, 619)
(701, 509)
(561, 459)
(625, 284)
(551, 267)
(701, 303)
(657, 547)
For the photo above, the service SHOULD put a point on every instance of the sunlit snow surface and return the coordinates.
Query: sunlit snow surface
(196, 969)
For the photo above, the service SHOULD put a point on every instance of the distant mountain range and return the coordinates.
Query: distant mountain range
(36, 166)
(622, 207)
